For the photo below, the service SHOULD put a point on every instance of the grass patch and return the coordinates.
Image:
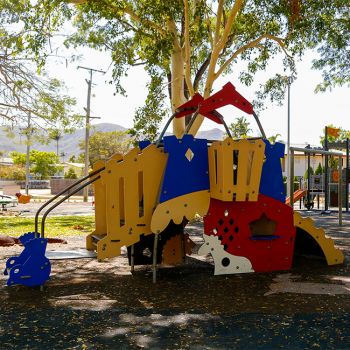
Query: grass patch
(56, 226)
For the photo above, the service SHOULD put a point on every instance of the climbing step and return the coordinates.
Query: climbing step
(97, 238)
(93, 239)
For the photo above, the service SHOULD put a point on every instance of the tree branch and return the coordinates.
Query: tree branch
(172, 28)
(200, 73)
(129, 11)
(233, 14)
(216, 52)
(254, 43)
(188, 51)
(218, 20)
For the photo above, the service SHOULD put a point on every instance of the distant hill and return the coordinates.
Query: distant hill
(212, 134)
(69, 143)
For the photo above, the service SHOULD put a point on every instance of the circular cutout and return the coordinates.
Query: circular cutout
(225, 262)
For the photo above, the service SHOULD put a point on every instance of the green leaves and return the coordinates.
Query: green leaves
(43, 164)
(148, 118)
(240, 128)
(24, 89)
(102, 145)
(146, 32)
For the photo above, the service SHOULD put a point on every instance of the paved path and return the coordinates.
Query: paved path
(67, 208)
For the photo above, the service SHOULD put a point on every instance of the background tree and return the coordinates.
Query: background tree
(12, 172)
(70, 174)
(72, 159)
(240, 128)
(343, 135)
(187, 45)
(102, 145)
(306, 172)
(56, 135)
(274, 138)
(43, 164)
(319, 170)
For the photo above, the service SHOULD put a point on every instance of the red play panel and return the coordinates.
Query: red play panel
(261, 231)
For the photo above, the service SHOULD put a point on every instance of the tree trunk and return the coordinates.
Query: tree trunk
(177, 88)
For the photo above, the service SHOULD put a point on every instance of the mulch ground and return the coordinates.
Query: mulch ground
(91, 305)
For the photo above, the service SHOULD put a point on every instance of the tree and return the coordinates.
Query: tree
(343, 135)
(12, 172)
(72, 159)
(70, 174)
(24, 89)
(102, 145)
(186, 45)
(306, 172)
(55, 134)
(319, 170)
(273, 138)
(240, 128)
(43, 164)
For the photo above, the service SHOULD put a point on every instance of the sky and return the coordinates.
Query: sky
(310, 112)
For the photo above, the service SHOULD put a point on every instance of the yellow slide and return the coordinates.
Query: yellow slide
(333, 255)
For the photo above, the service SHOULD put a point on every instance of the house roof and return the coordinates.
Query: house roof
(77, 165)
(4, 160)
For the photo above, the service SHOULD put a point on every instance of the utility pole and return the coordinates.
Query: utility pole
(87, 126)
(28, 134)
(57, 140)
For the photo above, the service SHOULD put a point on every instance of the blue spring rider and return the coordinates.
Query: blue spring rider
(31, 268)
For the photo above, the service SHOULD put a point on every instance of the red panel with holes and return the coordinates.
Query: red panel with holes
(261, 231)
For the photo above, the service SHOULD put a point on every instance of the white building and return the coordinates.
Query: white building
(300, 163)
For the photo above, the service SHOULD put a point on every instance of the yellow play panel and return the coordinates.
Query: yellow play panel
(235, 169)
(129, 187)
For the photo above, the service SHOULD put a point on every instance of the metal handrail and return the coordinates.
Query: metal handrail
(161, 135)
(259, 125)
(61, 193)
(56, 204)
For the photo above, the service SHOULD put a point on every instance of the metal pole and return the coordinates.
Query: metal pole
(326, 170)
(289, 189)
(155, 250)
(308, 176)
(347, 176)
(57, 140)
(340, 209)
(87, 135)
(132, 258)
(28, 155)
(291, 183)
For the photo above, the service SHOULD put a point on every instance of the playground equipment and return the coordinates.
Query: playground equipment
(298, 194)
(23, 198)
(144, 200)
(315, 183)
